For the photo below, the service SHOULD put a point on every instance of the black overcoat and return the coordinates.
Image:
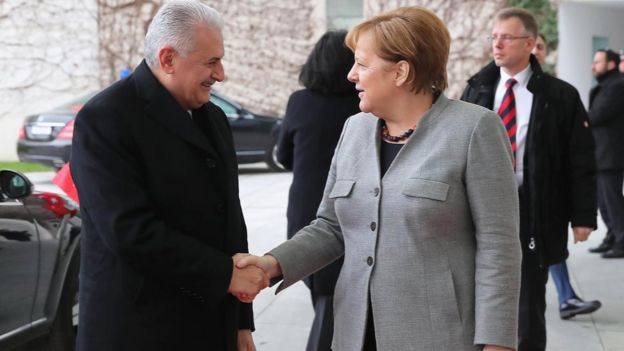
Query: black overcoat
(162, 218)
(559, 164)
(606, 113)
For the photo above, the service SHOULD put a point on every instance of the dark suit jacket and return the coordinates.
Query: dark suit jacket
(162, 218)
(606, 113)
(309, 134)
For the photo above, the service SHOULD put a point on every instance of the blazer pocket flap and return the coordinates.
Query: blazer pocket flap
(428, 189)
(342, 188)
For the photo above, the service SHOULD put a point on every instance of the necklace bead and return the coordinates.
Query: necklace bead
(385, 134)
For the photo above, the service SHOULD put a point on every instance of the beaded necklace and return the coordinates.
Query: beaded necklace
(385, 134)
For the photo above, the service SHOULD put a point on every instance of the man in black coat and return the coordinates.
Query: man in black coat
(156, 172)
(606, 113)
(555, 166)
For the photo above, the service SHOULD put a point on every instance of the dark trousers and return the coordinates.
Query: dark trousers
(532, 323)
(322, 331)
(611, 205)
(531, 320)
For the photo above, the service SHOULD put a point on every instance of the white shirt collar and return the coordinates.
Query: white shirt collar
(522, 77)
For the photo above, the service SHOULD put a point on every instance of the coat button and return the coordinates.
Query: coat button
(373, 226)
(211, 163)
(376, 192)
(369, 261)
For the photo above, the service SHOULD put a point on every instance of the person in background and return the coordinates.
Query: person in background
(314, 119)
(621, 66)
(554, 164)
(156, 173)
(569, 303)
(606, 113)
(421, 201)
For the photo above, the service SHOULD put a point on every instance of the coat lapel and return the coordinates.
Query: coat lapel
(162, 107)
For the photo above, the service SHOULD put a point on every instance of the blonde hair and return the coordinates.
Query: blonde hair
(413, 34)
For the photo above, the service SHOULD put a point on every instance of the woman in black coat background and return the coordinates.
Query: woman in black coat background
(312, 125)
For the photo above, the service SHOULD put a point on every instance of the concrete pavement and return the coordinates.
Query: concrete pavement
(283, 321)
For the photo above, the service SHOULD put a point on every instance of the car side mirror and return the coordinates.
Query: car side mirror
(14, 185)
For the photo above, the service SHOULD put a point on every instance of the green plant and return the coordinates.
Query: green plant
(25, 167)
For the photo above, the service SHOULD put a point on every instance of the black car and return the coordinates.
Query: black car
(39, 264)
(46, 137)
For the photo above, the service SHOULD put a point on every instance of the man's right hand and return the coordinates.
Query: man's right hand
(247, 282)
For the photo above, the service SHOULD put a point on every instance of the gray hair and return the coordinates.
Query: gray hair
(174, 25)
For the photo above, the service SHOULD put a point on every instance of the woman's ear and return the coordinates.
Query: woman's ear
(402, 69)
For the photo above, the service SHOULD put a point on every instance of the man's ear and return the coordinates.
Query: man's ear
(531, 43)
(402, 69)
(611, 65)
(166, 58)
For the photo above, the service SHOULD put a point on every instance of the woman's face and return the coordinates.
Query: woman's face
(373, 76)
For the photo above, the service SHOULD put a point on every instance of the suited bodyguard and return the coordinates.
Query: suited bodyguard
(606, 113)
(554, 160)
(156, 173)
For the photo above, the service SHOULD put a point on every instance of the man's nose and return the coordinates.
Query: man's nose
(218, 73)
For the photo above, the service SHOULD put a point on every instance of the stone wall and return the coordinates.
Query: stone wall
(49, 55)
(267, 41)
(469, 23)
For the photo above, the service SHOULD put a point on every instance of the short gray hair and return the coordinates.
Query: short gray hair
(174, 25)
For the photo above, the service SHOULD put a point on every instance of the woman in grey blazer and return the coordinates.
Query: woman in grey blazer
(420, 199)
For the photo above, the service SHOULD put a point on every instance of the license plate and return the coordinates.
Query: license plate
(38, 130)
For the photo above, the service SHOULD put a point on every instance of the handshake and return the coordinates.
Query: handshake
(251, 274)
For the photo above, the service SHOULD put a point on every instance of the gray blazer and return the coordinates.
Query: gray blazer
(435, 241)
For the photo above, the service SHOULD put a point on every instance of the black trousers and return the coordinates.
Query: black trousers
(611, 205)
(531, 319)
(322, 331)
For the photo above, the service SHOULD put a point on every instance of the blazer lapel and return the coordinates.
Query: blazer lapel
(161, 106)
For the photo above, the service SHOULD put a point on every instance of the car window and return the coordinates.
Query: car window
(76, 104)
(229, 109)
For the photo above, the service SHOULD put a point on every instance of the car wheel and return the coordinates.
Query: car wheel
(271, 159)
(65, 326)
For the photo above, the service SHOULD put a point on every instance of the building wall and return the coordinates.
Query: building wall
(469, 23)
(578, 24)
(266, 44)
(60, 51)
(49, 55)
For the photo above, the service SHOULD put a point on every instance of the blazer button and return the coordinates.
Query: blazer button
(211, 163)
(373, 226)
(369, 261)
(376, 192)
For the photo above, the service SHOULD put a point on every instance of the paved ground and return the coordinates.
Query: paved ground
(283, 320)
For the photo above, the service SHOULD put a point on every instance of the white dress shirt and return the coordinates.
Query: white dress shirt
(524, 103)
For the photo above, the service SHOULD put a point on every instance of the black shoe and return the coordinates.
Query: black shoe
(603, 247)
(575, 306)
(615, 252)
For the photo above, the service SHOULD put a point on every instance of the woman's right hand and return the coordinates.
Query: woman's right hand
(267, 263)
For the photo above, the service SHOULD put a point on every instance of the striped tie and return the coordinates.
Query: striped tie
(507, 112)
